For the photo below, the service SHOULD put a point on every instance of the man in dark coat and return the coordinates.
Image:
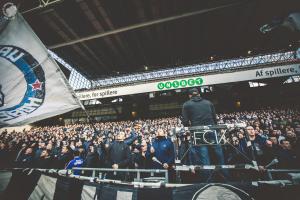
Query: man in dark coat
(287, 158)
(198, 111)
(45, 160)
(26, 160)
(64, 158)
(141, 160)
(201, 112)
(92, 158)
(119, 156)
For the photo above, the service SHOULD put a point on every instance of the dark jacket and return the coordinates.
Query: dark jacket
(198, 112)
(119, 153)
(3, 158)
(26, 161)
(259, 148)
(37, 154)
(133, 136)
(287, 159)
(92, 160)
(44, 163)
(143, 162)
(62, 160)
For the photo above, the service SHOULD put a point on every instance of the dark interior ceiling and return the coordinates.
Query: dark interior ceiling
(224, 33)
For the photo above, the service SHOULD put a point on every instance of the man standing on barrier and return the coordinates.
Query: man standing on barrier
(163, 154)
(201, 112)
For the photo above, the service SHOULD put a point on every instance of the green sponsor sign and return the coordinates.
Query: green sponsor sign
(180, 83)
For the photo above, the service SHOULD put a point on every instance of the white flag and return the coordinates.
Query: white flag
(32, 87)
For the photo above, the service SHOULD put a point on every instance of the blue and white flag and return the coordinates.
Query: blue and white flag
(32, 87)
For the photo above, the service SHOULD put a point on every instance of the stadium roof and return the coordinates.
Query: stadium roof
(182, 32)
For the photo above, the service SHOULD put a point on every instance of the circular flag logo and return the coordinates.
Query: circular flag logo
(22, 83)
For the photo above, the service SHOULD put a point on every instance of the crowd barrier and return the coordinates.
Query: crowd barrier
(36, 184)
(137, 172)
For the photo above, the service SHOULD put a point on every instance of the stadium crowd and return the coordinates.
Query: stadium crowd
(274, 133)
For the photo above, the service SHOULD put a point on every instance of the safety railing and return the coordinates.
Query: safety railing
(102, 172)
(270, 172)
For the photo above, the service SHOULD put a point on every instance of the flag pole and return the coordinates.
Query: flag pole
(75, 96)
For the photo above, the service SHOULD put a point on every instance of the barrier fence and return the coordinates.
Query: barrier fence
(138, 172)
(58, 184)
(102, 172)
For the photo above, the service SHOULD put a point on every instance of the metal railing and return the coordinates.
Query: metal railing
(103, 171)
(197, 69)
(278, 171)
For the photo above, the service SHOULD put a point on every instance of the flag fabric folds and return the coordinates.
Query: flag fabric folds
(32, 87)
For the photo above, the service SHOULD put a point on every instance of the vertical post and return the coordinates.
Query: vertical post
(269, 175)
(167, 176)
(94, 173)
(138, 174)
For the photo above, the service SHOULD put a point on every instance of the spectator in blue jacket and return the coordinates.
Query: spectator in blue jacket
(162, 150)
(162, 154)
(76, 162)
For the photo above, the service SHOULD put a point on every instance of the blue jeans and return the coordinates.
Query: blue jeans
(199, 155)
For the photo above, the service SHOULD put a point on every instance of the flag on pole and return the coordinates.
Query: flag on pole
(32, 87)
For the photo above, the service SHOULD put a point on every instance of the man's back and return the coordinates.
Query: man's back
(199, 112)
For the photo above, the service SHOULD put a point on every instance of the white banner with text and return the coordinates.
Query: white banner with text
(193, 81)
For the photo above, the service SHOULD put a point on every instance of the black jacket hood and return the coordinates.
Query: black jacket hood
(196, 98)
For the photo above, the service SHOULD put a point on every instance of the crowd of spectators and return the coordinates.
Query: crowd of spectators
(274, 133)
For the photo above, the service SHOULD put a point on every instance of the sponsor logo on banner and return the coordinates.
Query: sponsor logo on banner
(34, 77)
(191, 82)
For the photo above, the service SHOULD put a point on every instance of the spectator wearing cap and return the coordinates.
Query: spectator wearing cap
(199, 112)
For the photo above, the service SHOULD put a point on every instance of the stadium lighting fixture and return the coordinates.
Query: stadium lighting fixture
(249, 52)
(76, 79)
